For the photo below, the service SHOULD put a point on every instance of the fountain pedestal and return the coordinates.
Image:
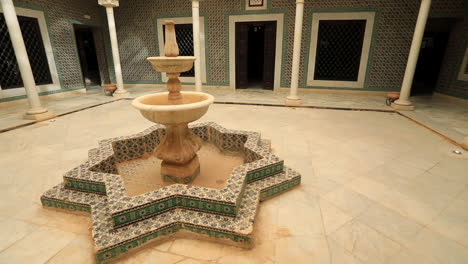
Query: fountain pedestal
(178, 149)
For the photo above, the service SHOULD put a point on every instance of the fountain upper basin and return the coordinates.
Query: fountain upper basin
(172, 64)
(157, 108)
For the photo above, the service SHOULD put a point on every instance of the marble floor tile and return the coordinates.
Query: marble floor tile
(302, 250)
(37, 247)
(365, 243)
(406, 256)
(452, 169)
(16, 231)
(439, 248)
(308, 224)
(36, 214)
(149, 255)
(193, 261)
(352, 164)
(333, 217)
(198, 249)
(426, 188)
(339, 255)
(453, 221)
(348, 200)
(390, 223)
(408, 207)
(80, 251)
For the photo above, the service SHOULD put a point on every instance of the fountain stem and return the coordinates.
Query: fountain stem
(178, 148)
(171, 49)
(174, 86)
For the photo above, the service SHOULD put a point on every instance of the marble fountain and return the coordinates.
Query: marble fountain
(181, 204)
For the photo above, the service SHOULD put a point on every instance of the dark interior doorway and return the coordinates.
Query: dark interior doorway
(88, 57)
(255, 54)
(431, 55)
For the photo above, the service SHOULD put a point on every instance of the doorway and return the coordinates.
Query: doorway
(88, 57)
(255, 54)
(431, 55)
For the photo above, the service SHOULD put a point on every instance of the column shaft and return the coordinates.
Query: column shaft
(120, 92)
(413, 56)
(293, 99)
(196, 44)
(22, 57)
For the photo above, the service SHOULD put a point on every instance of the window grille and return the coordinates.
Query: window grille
(339, 48)
(10, 76)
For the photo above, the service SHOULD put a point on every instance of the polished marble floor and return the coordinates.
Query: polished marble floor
(447, 117)
(377, 188)
(444, 116)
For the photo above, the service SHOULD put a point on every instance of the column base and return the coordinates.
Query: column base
(293, 101)
(124, 94)
(400, 107)
(39, 117)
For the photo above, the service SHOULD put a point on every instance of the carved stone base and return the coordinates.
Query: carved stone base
(293, 102)
(401, 107)
(179, 146)
(178, 173)
(39, 117)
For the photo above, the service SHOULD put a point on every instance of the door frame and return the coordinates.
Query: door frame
(462, 76)
(94, 31)
(279, 18)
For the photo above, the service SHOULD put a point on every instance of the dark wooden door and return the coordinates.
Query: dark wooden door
(269, 55)
(242, 33)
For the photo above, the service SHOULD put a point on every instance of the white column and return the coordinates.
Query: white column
(403, 102)
(292, 98)
(36, 111)
(109, 5)
(196, 44)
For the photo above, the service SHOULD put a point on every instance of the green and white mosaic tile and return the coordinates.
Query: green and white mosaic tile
(121, 223)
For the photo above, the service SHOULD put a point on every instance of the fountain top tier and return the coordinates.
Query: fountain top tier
(171, 62)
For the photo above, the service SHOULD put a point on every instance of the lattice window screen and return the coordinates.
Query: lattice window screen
(184, 36)
(10, 76)
(339, 49)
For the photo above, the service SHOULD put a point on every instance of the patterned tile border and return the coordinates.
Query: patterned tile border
(48, 202)
(112, 243)
(121, 223)
(84, 186)
(99, 174)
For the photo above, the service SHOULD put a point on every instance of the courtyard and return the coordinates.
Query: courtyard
(376, 188)
(234, 132)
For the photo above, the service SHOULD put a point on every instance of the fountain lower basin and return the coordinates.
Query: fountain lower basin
(179, 147)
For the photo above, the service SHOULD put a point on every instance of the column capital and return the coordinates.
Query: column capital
(300, 1)
(109, 3)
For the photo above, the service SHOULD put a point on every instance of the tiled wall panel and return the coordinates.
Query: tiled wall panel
(136, 33)
(60, 16)
(392, 40)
